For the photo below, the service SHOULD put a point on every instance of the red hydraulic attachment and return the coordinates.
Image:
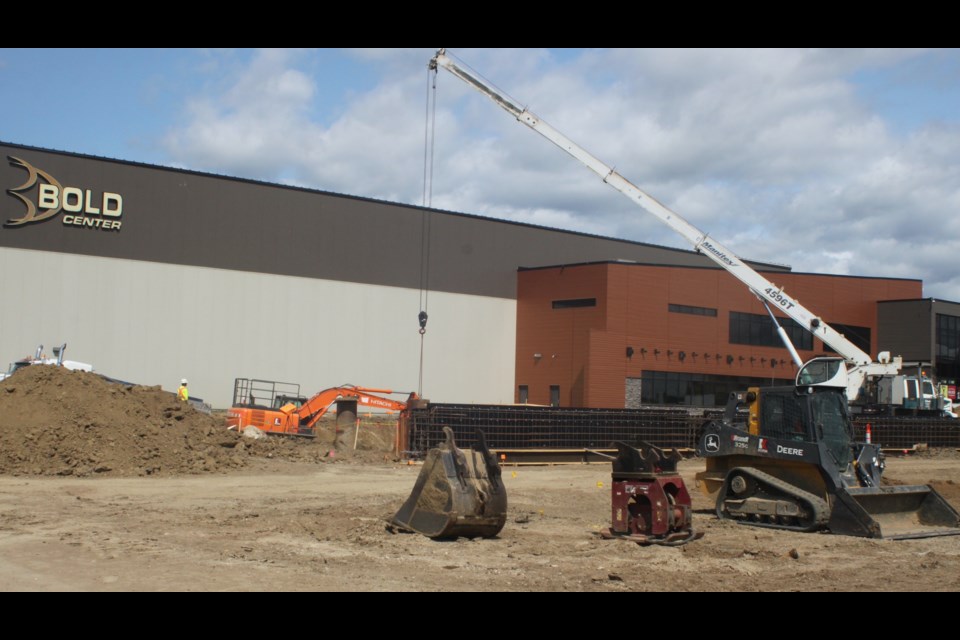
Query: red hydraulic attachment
(650, 503)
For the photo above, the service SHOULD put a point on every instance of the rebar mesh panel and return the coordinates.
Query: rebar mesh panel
(525, 427)
(519, 427)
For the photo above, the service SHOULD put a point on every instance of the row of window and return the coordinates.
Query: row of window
(859, 336)
(759, 331)
(693, 311)
(694, 389)
(523, 394)
(575, 303)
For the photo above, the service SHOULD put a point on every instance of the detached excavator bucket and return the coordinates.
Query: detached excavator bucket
(458, 493)
(896, 512)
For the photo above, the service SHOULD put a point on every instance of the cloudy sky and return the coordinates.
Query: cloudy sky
(831, 161)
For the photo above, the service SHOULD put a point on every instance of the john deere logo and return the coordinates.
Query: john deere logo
(44, 198)
(712, 443)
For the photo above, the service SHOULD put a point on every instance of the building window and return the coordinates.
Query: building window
(523, 394)
(859, 336)
(693, 311)
(696, 390)
(757, 330)
(947, 349)
(574, 303)
(948, 337)
(554, 395)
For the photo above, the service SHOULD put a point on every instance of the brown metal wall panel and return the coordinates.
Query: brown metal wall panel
(560, 336)
(637, 315)
(606, 370)
(905, 329)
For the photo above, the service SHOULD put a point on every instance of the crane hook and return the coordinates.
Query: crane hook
(422, 317)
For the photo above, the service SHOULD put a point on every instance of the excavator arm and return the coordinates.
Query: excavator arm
(771, 294)
(316, 407)
(273, 410)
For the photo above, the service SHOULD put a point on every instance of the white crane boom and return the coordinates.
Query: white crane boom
(861, 362)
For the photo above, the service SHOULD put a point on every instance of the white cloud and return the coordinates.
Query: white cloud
(771, 151)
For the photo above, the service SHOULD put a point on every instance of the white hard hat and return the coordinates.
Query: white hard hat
(184, 381)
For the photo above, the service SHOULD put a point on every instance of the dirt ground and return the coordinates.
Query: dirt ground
(281, 525)
(113, 487)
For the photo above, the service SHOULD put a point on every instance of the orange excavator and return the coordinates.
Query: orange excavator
(279, 408)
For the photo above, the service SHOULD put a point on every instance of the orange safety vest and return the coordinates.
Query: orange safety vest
(182, 393)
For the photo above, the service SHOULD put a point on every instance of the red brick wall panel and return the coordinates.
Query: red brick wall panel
(584, 350)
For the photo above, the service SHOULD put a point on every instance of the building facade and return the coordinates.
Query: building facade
(154, 274)
(615, 334)
(925, 331)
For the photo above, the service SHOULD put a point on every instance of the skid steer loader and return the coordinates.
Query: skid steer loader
(458, 493)
(794, 465)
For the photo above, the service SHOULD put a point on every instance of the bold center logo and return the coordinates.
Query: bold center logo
(52, 198)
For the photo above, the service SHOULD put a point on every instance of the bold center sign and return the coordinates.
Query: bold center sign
(82, 207)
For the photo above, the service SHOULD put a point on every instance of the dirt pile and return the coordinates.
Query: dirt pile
(59, 422)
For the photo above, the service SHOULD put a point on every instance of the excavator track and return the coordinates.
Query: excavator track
(750, 496)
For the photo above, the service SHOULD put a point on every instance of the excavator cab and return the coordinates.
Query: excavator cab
(459, 492)
(795, 465)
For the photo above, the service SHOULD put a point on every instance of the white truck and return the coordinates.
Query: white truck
(40, 357)
(905, 394)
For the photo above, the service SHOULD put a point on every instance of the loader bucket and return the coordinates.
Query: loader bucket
(458, 493)
(897, 513)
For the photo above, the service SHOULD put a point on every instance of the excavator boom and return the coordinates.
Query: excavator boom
(316, 407)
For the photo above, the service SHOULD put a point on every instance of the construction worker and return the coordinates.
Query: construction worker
(182, 394)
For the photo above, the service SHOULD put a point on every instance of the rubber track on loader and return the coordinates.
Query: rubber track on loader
(817, 505)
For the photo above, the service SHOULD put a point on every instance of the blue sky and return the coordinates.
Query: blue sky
(836, 161)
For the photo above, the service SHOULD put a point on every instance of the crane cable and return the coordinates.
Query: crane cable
(425, 218)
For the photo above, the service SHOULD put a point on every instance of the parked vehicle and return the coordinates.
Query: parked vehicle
(39, 357)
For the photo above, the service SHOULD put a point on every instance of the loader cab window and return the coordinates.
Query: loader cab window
(830, 419)
(782, 418)
(818, 372)
(282, 401)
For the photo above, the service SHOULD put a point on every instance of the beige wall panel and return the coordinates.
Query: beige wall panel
(153, 323)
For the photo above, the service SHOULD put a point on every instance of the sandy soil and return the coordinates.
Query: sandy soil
(282, 525)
